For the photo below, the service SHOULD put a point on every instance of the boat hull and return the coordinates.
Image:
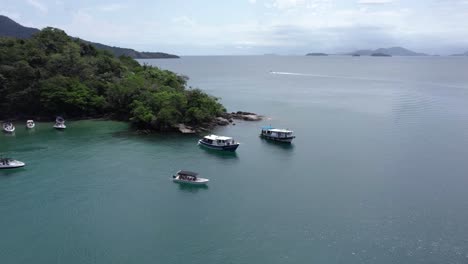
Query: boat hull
(199, 181)
(59, 127)
(283, 139)
(13, 165)
(231, 147)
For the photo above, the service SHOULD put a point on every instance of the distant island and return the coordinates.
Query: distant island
(393, 51)
(316, 54)
(10, 28)
(380, 55)
(461, 54)
(51, 74)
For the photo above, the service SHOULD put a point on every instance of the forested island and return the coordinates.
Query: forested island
(52, 74)
(316, 54)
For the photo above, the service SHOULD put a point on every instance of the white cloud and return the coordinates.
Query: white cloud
(111, 7)
(184, 20)
(252, 1)
(287, 4)
(38, 5)
(12, 15)
(375, 2)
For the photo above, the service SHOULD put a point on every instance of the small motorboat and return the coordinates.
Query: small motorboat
(189, 177)
(30, 124)
(275, 134)
(8, 127)
(7, 163)
(219, 143)
(60, 123)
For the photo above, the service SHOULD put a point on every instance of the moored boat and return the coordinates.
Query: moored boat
(277, 134)
(30, 124)
(8, 127)
(7, 163)
(189, 177)
(219, 143)
(60, 123)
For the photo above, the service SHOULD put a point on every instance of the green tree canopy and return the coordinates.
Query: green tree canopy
(52, 73)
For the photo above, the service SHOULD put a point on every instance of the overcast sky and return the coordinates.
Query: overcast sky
(213, 27)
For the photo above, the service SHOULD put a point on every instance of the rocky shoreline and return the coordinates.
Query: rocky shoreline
(223, 120)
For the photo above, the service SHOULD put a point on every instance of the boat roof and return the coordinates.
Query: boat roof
(186, 172)
(281, 130)
(215, 137)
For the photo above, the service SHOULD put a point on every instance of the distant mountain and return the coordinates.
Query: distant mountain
(9, 28)
(461, 54)
(379, 54)
(316, 54)
(393, 51)
(117, 51)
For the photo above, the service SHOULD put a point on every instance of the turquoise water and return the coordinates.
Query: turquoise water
(377, 173)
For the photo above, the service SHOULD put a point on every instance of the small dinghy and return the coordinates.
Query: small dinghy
(60, 123)
(189, 177)
(219, 143)
(8, 127)
(30, 124)
(276, 134)
(7, 163)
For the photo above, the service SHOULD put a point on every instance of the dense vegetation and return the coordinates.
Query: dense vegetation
(52, 73)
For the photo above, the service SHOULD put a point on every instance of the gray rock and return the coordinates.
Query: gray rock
(221, 121)
(185, 129)
(251, 117)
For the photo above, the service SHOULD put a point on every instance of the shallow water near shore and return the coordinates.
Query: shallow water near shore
(377, 173)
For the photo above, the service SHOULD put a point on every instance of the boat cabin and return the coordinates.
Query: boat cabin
(277, 133)
(218, 140)
(187, 175)
(5, 161)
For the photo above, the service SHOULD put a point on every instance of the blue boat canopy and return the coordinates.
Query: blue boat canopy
(267, 127)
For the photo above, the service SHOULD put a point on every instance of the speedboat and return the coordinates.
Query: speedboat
(7, 163)
(30, 124)
(60, 123)
(219, 143)
(8, 127)
(277, 134)
(189, 177)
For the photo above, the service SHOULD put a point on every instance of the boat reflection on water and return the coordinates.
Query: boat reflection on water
(220, 154)
(276, 144)
(192, 188)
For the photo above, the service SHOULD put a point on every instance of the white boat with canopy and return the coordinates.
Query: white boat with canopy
(219, 143)
(60, 123)
(7, 163)
(189, 177)
(30, 124)
(277, 134)
(8, 127)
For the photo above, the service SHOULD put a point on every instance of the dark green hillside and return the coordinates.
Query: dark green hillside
(52, 73)
(9, 28)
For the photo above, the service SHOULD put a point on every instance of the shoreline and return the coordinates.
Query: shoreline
(223, 120)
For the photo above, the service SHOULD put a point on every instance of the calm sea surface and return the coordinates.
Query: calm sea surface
(378, 172)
